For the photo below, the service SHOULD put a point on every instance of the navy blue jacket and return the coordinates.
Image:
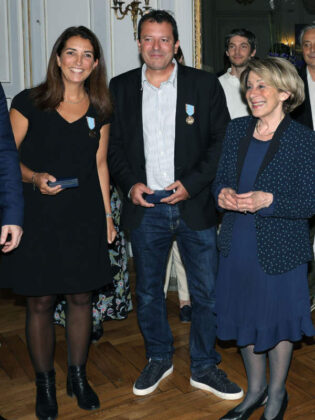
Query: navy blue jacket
(11, 194)
(287, 172)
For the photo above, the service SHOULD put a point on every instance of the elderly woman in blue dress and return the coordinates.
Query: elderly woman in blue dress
(265, 186)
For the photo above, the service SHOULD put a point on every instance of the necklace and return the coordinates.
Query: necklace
(74, 102)
(270, 132)
(267, 134)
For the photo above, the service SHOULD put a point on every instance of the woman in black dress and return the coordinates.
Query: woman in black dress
(265, 185)
(112, 301)
(61, 128)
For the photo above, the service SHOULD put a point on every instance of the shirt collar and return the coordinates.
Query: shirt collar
(228, 72)
(172, 79)
(232, 80)
(309, 77)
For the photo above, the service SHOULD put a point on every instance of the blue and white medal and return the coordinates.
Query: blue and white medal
(91, 125)
(190, 110)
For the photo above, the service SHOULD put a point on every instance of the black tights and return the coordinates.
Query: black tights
(255, 365)
(40, 330)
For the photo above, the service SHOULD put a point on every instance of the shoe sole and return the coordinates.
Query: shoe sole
(94, 407)
(43, 418)
(152, 388)
(223, 395)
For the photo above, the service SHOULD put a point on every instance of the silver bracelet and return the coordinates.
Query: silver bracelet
(109, 215)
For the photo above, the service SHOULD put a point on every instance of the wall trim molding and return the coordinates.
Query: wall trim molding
(197, 34)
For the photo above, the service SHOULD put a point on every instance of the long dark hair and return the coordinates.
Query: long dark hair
(49, 94)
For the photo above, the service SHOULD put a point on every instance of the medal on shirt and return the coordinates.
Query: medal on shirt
(190, 110)
(91, 125)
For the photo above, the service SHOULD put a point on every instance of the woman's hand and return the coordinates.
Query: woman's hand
(253, 201)
(227, 199)
(111, 231)
(40, 179)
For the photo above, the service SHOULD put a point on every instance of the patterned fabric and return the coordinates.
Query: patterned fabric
(283, 237)
(112, 301)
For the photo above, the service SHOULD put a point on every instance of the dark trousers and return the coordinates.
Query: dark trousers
(151, 243)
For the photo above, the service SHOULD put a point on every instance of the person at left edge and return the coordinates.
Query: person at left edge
(61, 129)
(169, 121)
(11, 194)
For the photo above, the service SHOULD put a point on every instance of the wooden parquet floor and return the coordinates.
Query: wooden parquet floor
(114, 364)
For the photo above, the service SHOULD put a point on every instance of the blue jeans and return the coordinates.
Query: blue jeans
(151, 243)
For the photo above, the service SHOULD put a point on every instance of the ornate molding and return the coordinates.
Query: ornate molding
(197, 34)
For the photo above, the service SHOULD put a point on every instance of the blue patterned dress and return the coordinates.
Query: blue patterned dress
(254, 307)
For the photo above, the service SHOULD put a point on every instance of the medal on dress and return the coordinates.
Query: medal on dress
(91, 125)
(190, 110)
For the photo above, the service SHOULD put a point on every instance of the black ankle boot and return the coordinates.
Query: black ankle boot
(78, 385)
(46, 402)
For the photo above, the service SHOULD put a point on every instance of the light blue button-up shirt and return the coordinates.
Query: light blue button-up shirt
(158, 119)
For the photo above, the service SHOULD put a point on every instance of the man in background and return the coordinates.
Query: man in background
(305, 113)
(240, 47)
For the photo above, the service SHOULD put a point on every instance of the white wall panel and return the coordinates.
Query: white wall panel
(29, 28)
(101, 25)
(124, 50)
(48, 19)
(60, 14)
(14, 58)
(4, 50)
(125, 54)
(184, 15)
(37, 34)
(182, 11)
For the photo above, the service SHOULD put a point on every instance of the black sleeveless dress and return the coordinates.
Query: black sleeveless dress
(64, 246)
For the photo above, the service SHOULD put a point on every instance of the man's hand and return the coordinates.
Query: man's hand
(253, 201)
(180, 194)
(136, 193)
(16, 234)
(227, 199)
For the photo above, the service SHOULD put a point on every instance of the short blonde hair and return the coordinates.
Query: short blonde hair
(280, 74)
